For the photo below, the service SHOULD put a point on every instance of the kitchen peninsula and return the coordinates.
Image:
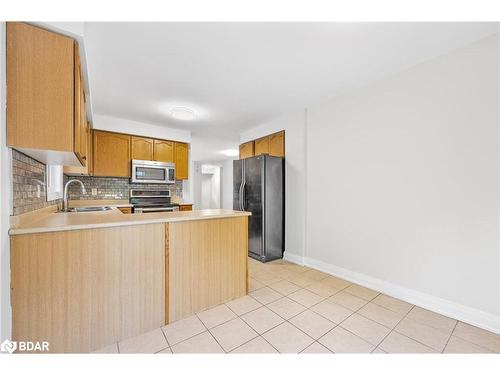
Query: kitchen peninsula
(82, 281)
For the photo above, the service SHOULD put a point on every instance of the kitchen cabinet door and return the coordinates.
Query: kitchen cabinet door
(277, 144)
(40, 89)
(111, 153)
(142, 148)
(163, 151)
(262, 146)
(247, 150)
(181, 160)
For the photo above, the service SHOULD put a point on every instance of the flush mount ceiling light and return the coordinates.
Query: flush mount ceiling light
(230, 152)
(182, 113)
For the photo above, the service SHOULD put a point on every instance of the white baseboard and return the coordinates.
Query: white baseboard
(442, 306)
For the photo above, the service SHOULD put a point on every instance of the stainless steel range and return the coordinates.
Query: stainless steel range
(151, 201)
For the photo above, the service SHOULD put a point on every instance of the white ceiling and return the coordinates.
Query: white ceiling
(238, 75)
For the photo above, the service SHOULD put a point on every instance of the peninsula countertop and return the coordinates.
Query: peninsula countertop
(51, 221)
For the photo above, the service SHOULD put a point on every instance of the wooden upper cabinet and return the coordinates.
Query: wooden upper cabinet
(141, 148)
(262, 146)
(111, 154)
(80, 120)
(247, 150)
(277, 144)
(40, 89)
(181, 160)
(163, 151)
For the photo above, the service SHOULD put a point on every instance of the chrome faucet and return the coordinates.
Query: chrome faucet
(65, 193)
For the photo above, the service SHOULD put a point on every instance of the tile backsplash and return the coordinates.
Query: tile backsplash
(28, 177)
(116, 188)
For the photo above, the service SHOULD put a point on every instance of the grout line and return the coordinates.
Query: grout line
(451, 334)
(164, 335)
(208, 330)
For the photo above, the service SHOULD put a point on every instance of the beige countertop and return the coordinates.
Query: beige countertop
(48, 220)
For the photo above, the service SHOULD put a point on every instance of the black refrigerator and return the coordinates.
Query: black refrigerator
(259, 187)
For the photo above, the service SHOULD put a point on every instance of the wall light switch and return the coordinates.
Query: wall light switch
(94, 191)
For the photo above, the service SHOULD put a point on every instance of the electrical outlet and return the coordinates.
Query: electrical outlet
(94, 191)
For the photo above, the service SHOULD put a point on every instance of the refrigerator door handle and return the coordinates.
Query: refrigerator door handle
(239, 195)
(243, 196)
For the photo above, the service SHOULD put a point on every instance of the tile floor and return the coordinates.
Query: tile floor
(295, 309)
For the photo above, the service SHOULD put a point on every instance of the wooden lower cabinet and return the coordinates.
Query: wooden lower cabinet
(207, 264)
(81, 290)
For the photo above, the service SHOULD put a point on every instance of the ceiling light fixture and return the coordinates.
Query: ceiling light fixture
(182, 113)
(230, 152)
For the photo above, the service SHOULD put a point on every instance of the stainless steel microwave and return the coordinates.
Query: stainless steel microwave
(153, 172)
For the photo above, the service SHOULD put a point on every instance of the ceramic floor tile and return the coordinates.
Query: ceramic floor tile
(392, 304)
(254, 284)
(381, 315)
(288, 338)
(297, 268)
(365, 328)
(378, 351)
(284, 287)
(316, 348)
(432, 319)
(458, 345)
(312, 323)
(204, 343)
(110, 349)
(336, 282)
(232, 334)
(216, 315)
(262, 319)
(265, 277)
(478, 336)
(331, 311)
(315, 275)
(243, 305)
(348, 300)
(339, 340)
(256, 346)
(322, 289)
(266, 295)
(301, 280)
(423, 333)
(305, 297)
(183, 329)
(147, 343)
(397, 343)
(286, 308)
(362, 292)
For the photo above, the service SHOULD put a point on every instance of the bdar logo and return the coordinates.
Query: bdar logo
(8, 346)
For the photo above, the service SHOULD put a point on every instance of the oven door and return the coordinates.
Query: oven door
(140, 210)
(149, 174)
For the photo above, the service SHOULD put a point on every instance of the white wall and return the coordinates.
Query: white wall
(403, 185)
(295, 175)
(227, 184)
(115, 124)
(5, 202)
